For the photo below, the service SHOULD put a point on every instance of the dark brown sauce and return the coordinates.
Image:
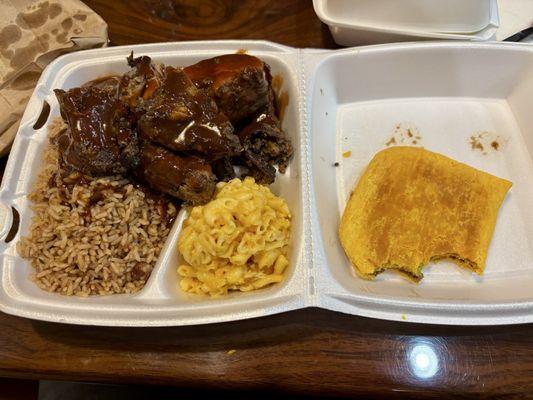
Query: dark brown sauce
(140, 272)
(177, 128)
(68, 179)
(281, 97)
(161, 200)
(186, 120)
(103, 82)
(99, 130)
(170, 173)
(98, 194)
(283, 102)
(65, 181)
(52, 181)
(277, 82)
(238, 82)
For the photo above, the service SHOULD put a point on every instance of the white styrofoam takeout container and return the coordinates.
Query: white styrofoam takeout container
(344, 100)
(362, 22)
(450, 16)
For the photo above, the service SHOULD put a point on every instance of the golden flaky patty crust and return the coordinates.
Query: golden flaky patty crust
(412, 206)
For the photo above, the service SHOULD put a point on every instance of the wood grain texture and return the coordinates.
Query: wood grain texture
(290, 22)
(309, 351)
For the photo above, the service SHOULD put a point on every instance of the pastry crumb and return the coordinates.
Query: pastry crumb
(347, 154)
(405, 134)
(391, 141)
(486, 142)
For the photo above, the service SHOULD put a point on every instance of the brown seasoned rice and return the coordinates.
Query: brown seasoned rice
(92, 236)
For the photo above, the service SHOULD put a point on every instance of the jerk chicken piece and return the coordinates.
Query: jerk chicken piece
(239, 83)
(187, 178)
(99, 139)
(223, 169)
(241, 86)
(140, 81)
(265, 145)
(181, 118)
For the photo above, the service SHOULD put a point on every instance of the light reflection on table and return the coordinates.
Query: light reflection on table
(422, 359)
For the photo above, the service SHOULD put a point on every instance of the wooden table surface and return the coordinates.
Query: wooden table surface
(309, 351)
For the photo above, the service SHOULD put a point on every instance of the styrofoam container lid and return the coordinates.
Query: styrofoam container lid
(348, 30)
(449, 16)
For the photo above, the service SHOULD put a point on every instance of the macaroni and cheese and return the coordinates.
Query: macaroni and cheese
(237, 241)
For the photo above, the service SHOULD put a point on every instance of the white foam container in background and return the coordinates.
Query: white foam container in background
(450, 16)
(359, 22)
(338, 101)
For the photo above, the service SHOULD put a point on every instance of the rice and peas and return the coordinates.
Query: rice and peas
(92, 236)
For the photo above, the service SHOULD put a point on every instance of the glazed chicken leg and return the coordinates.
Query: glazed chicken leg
(241, 86)
(186, 178)
(239, 83)
(181, 118)
(100, 138)
(140, 81)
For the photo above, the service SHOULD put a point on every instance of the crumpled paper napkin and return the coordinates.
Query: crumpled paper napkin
(33, 34)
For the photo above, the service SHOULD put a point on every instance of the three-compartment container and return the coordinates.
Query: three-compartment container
(343, 101)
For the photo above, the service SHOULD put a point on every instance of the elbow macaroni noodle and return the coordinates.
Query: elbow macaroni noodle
(237, 241)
